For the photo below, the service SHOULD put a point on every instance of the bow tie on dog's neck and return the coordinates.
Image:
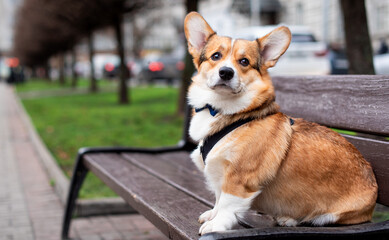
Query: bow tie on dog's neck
(212, 111)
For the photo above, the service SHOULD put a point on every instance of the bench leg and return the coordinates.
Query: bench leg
(78, 178)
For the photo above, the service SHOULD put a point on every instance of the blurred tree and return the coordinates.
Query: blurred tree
(191, 5)
(140, 30)
(45, 28)
(39, 33)
(358, 44)
(47, 71)
(93, 82)
(133, 7)
(61, 68)
(123, 90)
(73, 68)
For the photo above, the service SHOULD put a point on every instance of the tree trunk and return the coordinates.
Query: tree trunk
(33, 72)
(122, 90)
(191, 5)
(61, 63)
(93, 82)
(358, 44)
(47, 71)
(74, 73)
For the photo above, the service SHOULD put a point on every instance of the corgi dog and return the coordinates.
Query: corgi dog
(295, 171)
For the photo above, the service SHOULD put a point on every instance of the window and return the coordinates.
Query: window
(380, 17)
(299, 14)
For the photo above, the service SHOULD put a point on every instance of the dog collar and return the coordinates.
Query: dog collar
(212, 111)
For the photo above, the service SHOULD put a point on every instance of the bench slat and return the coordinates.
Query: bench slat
(377, 153)
(172, 211)
(176, 169)
(355, 102)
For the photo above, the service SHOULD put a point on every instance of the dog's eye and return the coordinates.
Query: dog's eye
(244, 62)
(216, 56)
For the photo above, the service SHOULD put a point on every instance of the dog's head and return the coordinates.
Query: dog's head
(232, 73)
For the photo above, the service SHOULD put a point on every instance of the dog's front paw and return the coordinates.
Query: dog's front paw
(286, 222)
(207, 216)
(220, 222)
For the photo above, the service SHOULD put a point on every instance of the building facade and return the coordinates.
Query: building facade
(324, 17)
(7, 11)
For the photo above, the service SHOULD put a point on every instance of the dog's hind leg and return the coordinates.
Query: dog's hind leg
(324, 219)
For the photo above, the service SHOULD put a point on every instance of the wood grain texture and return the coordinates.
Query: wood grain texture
(169, 209)
(377, 153)
(177, 170)
(354, 102)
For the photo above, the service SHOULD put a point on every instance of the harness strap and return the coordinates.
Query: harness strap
(211, 141)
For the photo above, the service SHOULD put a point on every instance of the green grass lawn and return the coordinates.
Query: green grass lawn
(35, 84)
(67, 123)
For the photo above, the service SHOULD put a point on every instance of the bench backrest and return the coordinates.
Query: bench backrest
(358, 103)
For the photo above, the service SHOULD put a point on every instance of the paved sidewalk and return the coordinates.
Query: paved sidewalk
(29, 207)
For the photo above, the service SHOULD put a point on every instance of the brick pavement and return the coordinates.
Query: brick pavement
(29, 207)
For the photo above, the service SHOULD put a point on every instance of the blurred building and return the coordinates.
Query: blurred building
(7, 10)
(324, 17)
(161, 31)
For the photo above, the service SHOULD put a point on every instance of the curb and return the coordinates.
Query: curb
(87, 207)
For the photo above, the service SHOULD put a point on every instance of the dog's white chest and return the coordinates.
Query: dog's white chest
(200, 125)
(212, 168)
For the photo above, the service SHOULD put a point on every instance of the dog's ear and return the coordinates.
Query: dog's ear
(197, 32)
(273, 45)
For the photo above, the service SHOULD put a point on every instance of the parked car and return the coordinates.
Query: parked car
(167, 68)
(111, 70)
(381, 64)
(305, 56)
(4, 69)
(338, 59)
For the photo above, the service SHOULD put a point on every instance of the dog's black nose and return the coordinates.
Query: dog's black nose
(226, 73)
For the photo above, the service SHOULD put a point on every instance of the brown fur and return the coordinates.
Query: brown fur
(324, 172)
(304, 170)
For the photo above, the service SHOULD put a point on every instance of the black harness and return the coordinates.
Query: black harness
(211, 141)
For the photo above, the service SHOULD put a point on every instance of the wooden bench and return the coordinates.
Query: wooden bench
(164, 186)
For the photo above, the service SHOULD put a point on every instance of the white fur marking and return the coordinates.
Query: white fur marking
(274, 45)
(207, 215)
(200, 125)
(286, 222)
(227, 208)
(324, 219)
(241, 51)
(197, 32)
(199, 97)
(197, 159)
